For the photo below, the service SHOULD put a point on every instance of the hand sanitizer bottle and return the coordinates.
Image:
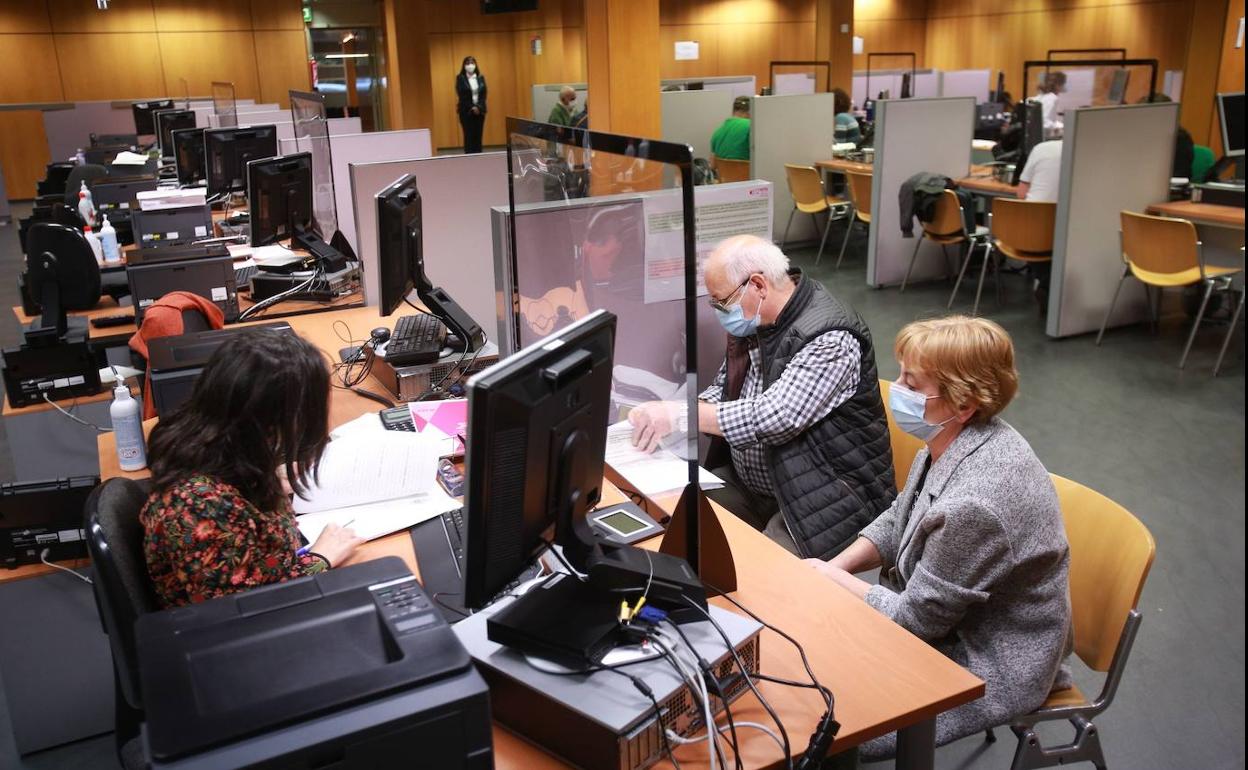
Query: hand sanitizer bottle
(108, 240)
(96, 247)
(128, 429)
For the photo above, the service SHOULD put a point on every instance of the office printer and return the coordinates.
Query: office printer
(175, 362)
(350, 668)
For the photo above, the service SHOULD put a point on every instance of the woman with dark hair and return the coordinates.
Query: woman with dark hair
(219, 519)
(470, 90)
(846, 128)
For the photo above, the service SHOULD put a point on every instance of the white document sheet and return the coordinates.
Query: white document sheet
(371, 467)
(650, 474)
(374, 520)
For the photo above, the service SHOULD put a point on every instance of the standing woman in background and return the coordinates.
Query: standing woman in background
(470, 88)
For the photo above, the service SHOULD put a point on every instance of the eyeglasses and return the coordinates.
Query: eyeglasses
(727, 302)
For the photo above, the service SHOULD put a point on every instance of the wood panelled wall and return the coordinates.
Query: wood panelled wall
(1002, 34)
(892, 25)
(501, 44)
(1231, 69)
(735, 37)
(67, 51)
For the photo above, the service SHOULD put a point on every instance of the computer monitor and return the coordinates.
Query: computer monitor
(61, 275)
(401, 261)
(143, 122)
(906, 86)
(168, 121)
(1032, 133)
(1118, 87)
(997, 95)
(227, 151)
(537, 432)
(1231, 120)
(188, 155)
(279, 194)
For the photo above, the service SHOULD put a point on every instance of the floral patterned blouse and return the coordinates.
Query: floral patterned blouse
(203, 539)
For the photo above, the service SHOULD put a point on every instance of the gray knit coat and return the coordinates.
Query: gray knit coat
(976, 564)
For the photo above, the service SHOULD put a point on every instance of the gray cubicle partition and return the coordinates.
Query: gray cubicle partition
(913, 135)
(928, 84)
(457, 192)
(737, 85)
(376, 146)
(976, 83)
(1113, 159)
(690, 117)
(790, 129)
(545, 95)
(69, 129)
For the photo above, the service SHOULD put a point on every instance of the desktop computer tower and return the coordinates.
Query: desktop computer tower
(408, 383)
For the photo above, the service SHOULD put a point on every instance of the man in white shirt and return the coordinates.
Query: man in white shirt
(1052, 85)
(1040, 180)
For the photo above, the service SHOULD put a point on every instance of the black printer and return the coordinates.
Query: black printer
(175, 362)
(350, 668)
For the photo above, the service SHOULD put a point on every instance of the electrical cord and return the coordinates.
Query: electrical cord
(771, 712)
(710, 676)
(43, 557)
(364, 357)
(74, 417)
(265, 304)
(697, 688)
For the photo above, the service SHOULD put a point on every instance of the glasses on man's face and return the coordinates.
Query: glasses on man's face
(723, 305)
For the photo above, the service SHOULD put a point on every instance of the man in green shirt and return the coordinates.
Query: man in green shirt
(732, 139)
(561, 113)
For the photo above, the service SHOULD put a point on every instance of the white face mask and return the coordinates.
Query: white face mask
(470, 68)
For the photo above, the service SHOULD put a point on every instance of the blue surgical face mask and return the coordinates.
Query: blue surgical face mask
(734, 321)
(909, 408)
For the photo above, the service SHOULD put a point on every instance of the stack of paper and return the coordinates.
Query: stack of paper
(654, 473)
(163, 198)
(377, 482)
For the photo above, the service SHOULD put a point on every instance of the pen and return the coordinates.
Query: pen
(304, 550)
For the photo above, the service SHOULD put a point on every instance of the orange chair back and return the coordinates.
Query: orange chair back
(860, 191)
(1025, 226)
(1159, 244)
(1111, 552)
(947, 218)
(904, 446)
(806, 187)
(731, 170)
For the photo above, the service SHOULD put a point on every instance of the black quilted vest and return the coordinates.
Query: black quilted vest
(836, 477)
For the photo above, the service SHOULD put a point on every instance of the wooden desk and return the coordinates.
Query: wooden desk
(981, 182)
(884, 678)
(1200, 213)
(841, 165)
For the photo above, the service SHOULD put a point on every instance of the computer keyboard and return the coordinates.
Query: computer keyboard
(439, 545)
(243, 276)
(416, 339)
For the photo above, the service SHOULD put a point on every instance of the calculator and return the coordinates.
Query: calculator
(397, 418)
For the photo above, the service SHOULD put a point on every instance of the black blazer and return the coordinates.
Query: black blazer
(464, 92)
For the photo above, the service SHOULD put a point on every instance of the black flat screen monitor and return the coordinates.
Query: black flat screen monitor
(144, 125)
(1231, 121)
(1032, 113)
(227, 151)
(168, 121)
(537, 432)
(279, 195)
(400, 256)
(1118, 87)
(188, 155)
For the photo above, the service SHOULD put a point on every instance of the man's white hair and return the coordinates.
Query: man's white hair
(567, 91)
(744, 255)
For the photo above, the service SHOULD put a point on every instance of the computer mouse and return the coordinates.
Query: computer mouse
(379, 335)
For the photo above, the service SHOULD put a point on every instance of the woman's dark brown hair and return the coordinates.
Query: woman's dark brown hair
(840, 101)
(261, 403)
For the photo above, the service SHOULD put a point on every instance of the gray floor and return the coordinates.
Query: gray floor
(1168, 445)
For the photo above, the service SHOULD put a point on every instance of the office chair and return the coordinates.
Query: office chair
(1111, 552)
(948, 227)
(859, 188)
(905, 446)
(86, 173)
(1163, 253)
(54, 179)
(1021, 230)
(82, 284)
(806, 189)
(731, 170)
(123, 592)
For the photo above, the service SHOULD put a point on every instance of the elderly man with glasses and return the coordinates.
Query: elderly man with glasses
(800, 436)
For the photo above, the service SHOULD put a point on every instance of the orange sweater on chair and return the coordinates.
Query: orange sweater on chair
(163, 318)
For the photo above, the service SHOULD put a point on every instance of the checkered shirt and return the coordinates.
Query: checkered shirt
(821, 377)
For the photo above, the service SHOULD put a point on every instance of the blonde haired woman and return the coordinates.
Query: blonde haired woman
(973, 553)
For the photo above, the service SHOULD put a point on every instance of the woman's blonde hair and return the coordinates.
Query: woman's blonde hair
(971, 360)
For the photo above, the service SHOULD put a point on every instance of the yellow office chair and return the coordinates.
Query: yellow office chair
(905, 446)
(859, 186)
(731, 170)
(947, 228)
(1163, 252)
(1230, 330)
(806, 187)
(1021, 230)
(1111, 552)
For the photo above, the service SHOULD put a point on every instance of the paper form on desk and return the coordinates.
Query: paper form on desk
(654, 473)
(364, 468)
(374, 520)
